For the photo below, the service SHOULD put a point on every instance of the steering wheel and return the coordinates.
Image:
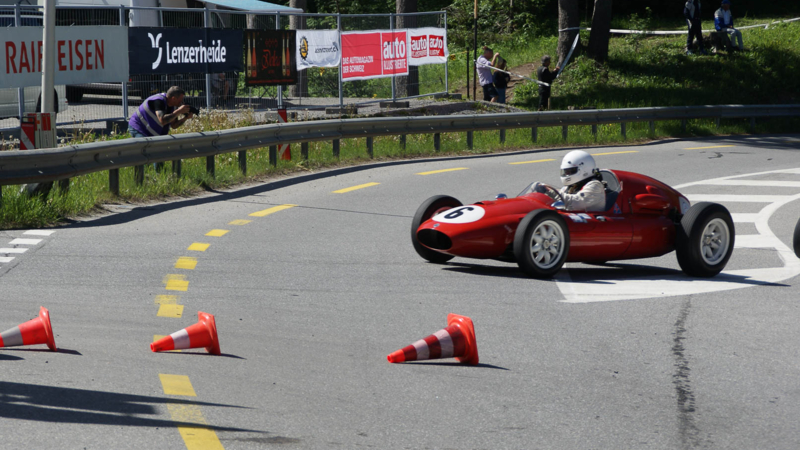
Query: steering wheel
(548, 190)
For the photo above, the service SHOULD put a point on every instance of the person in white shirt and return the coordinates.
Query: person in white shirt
(723, 21)
(485, 74)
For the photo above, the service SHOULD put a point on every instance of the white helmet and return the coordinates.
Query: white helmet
(576, 167)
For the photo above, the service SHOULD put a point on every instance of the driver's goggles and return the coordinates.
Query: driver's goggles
(568, 172)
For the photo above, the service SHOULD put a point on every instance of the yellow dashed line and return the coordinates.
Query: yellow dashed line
(443, 171)
(186, 262)
(199, 247)
(355, 188)
(531, 162)
(160, 336)
(239, 222)
(177, 385)
(614, 153)
(272, 210)
(194, 437)
(167, 299)
(217, 233)
(176, 282)
(713, 146)
(174, 311)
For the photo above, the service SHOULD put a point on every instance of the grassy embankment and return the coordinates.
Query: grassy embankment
(651, 71)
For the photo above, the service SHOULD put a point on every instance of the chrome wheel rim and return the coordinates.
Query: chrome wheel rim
(714, 242)
(547, 244)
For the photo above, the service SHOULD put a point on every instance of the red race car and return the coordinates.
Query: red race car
(643, 218)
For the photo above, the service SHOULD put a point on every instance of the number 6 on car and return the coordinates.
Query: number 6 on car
(645, 219)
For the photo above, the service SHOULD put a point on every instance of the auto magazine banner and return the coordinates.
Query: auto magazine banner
(374, 54)
(270, 57)
(184, 50)
(427, 46)
(83, 55)
(318, 48)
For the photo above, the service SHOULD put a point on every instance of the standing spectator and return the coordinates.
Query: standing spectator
(692, 13)
(501, 80)
(723, 21)
(544, 75)
(158, 113)
(485, 74)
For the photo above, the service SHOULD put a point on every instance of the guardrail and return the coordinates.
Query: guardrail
(19, 167)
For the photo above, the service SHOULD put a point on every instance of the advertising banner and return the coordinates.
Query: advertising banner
(374, 54)
(318, 48)
(184, 50)
(83, 55)
(427, 46)
(271, 57)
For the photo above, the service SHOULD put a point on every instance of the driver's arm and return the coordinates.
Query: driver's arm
(591, 198)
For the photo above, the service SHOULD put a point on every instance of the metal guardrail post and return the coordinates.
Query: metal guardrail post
(403, 141)
(594, 130)
(336, 144)
(716, 122)
(683, 125)
(138, 175)
(652, 127)
(211, 168)
(502, 136)
(124, 82)
(243, 162)
(113, 181)
(273, 155)
(470, 140)
(752, 125)
(624, 130)
(207, 24)
(369, 147)
(437, 141)
(177, 167)
(304, 151)
(564, 132)
(534, 134)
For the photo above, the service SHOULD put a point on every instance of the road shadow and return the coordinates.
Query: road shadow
(39, 403)
(4, 357)
(453, 364)
(63, 351)
(184, 352)
(512, 271)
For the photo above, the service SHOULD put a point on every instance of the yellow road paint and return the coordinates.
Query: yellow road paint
(177, 385)
(239, 222)
(174, 311)
(531, 162)
(167, 299)
(176, 282)
(712, 146)
(198, 247)
(217, 233)
(615, 153)
(156, 337)
(186, 262)
(443, 171)
(272, 210)
(355, 188)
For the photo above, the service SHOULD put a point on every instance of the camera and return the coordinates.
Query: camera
(194, 110)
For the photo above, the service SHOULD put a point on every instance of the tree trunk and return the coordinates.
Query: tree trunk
(298, 23)
(601, 26)
(407, 86)
(568, 17)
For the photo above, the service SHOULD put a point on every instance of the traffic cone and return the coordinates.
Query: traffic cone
(457, 340)
(32, 332)
(201, 334)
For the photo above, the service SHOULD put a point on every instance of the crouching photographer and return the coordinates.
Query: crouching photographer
(159, 113)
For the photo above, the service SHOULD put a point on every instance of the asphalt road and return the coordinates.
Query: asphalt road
(310, 299)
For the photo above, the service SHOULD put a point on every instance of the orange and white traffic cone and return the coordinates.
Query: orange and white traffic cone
(457, 340)
(202, 334)
(32, 332)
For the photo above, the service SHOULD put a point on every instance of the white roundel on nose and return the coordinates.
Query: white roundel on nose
(461, 214)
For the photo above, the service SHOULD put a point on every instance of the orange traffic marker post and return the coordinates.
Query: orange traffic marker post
(32, 332)
(202, 334)
(455, 341)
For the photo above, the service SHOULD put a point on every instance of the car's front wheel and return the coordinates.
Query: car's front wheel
(704, 240)
(426, 210)
(541, 243)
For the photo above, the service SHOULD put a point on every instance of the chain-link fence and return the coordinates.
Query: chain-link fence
(94, 105)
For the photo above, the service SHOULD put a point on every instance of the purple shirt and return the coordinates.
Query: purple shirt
(484, 73)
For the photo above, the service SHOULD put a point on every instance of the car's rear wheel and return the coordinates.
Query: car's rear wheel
(705, 239)
(796, 241)
(426, 210)
(541, 243)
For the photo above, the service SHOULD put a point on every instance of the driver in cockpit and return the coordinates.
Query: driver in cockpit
(583, 187)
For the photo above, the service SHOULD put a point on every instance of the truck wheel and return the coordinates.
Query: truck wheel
(74, 94)
(541, 243)
(704, 239)
(426, 210)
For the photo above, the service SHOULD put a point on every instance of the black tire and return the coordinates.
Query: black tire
(426, 210)
(796, 240)
(689, 239)
(74, 94)
(524, 243)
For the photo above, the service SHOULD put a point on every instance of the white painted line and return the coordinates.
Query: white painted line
(698, 183)
(756, 241)
(39, 232)
(721, 198)
(759, 183)
(12, 250)
(745, 218)
(20, 241)
(6, 259)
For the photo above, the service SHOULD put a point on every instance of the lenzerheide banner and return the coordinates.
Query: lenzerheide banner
(83, 55)
(184, 50)
(271, 57)
(427, 46)
(374, 54)
(318, 48)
